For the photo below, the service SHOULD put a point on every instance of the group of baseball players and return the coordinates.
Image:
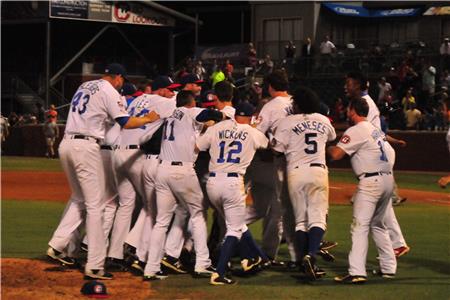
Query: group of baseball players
(141, 197)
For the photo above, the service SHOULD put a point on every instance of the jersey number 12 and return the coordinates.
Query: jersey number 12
(235, 147)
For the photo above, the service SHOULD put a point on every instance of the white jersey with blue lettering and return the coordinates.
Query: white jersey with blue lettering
(366, 145)
(140, 106)
(373, 115)
(231, 146)
(303, 137)
(95, 104)
(272, 112)
(180, 133)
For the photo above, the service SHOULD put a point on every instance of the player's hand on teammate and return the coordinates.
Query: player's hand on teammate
(151, 117)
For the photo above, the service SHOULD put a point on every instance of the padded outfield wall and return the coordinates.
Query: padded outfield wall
(426, 150)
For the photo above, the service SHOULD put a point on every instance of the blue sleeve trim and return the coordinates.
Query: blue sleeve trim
(122, 120)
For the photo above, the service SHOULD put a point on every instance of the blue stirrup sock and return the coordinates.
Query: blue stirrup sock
(226, 252)
(315, 236)
(301, 239)
(255, 251)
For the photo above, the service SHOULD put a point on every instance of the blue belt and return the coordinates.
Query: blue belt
(213, 174)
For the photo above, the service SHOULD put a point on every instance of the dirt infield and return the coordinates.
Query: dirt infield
(35, 279)
(53, 186)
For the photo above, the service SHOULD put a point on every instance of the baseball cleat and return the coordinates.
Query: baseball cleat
(249, 264)
(173, 264)
(138, 267)
(115, 265)
(327, 245)
(400, 251)
(84, 247)
(384, 275)
(292, 265)
(60, 257)
(216, 279)
(354, 279)
(308, 266)
(97, 274)
(327, 256)
(200, 273)
(156, 276)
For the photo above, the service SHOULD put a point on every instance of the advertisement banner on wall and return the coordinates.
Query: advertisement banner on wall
(437, 11)
(359, 11)
(114, 12)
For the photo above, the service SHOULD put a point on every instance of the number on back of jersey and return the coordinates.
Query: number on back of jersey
(80, 102)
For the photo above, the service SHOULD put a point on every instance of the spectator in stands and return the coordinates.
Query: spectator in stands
(200, 70)
(266, 66)
(412, 117)
(13, 119)
(445, 54)
(392, 78)
(384, 89)
(308, 52)
(144, 86)
(408, 99)
(428, 84)
(217, 76)
(52, 113)
(326, 49)
(228, 70)
(340, 112)
(4, 129)
(290, 50)
(445, 80)
(51, 133)
(40, 112)
(251, 54)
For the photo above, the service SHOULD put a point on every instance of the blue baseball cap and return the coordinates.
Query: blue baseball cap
(164, 82)
(128, 89)
(245, 109)
(116, 69)
(94, 289)
(190, 78)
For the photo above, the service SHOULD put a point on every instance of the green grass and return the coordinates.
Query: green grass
(20, 163)
(423, 273)
(408, 180)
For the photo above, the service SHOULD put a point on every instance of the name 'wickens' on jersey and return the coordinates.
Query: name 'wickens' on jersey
(231, 134)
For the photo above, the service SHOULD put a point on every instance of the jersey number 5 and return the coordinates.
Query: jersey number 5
(235, 147)
(312, 144)
(76, 102)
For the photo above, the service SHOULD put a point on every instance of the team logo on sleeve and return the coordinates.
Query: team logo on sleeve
(345, 139)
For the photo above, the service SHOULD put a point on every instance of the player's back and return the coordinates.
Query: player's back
(140, 106)
(179, 135)
(232, 146)
(303, 137)
(272, 112)
(94, 103)
(366, 145)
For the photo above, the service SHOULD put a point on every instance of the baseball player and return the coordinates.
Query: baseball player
(128, 161)
(356, 86)
(176, 179)
(232, 144)
(302, 138)
(267, 190)
(94, 104)
(366, 145)
(161, 102)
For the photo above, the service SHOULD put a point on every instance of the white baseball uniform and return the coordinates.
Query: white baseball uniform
(232, 147)
(176, 179)
(390, 220)
(129, 161)
(366, 145)
(302, 138)
(94, 104)
(267, 195)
